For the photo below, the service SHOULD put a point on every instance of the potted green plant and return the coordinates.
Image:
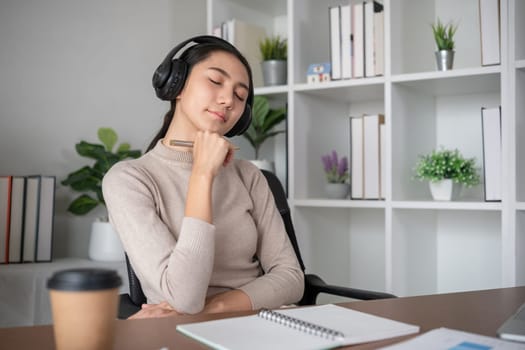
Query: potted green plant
(264, 119)
(274, 53)
(337, 175)
(88, 181)
(444, 38)
(444, 167)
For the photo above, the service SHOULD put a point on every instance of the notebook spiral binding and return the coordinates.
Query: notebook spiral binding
(300, 325)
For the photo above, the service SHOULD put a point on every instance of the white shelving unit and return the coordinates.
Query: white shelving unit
(406, 244)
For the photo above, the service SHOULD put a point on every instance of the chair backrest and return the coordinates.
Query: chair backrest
(135, 289)
(281, 202)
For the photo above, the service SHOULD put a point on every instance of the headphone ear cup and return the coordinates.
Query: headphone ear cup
(168, 79)
(242, 124)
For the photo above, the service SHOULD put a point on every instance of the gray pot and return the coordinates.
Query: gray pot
(445, 59)
(274, 72)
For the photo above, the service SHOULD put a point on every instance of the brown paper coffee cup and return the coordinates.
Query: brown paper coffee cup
(84, 304)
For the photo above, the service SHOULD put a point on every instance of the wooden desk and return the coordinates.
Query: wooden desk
(479, 312)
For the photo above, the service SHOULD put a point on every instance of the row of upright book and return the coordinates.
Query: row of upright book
(357, 40)
(367, 149)
(27, 205)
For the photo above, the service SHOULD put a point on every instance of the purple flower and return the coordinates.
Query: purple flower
(342, 167)
(327, 163)
(336, 169)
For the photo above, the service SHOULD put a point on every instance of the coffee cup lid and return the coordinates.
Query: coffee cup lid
(84, 279)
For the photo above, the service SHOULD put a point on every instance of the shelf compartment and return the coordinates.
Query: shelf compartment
(339, 244)
(440, 251)
(430, 113)
(412, 42)
(322, 124)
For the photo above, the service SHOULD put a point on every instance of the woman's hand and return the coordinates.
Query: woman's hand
(210, 152)
(154, 310)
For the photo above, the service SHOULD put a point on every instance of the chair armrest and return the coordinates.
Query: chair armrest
(126, 307)
(315, 285)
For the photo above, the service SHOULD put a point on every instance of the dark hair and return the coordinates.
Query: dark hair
(192, 56)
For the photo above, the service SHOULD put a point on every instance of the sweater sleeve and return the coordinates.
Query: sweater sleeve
(283, 280)
(176, 271)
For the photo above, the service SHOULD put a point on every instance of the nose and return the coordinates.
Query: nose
(226, 98)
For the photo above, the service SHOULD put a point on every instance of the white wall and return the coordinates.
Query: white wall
(68, 67)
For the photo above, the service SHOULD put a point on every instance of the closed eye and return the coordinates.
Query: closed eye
(241, 98)
(238, 96)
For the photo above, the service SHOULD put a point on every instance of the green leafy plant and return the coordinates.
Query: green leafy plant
(89, 178)
(263, 120)
(447, 164)
(444, 35)
(273, 48)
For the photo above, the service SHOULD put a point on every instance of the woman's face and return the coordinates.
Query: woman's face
(215, 94)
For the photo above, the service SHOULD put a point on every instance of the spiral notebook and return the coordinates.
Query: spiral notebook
(316, 327)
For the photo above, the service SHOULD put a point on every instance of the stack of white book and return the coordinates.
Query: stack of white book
(368, 153)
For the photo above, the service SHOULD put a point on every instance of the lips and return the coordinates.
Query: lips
(219, 115)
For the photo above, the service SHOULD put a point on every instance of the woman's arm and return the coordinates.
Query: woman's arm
(233, 300)
(283, 280)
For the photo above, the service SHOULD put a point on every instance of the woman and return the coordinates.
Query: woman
(200, 228)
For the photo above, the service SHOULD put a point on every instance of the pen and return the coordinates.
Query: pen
(183, 143)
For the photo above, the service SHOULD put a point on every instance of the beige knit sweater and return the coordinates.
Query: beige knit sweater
(182, 259)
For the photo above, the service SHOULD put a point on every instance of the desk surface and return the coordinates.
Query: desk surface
(479, 312)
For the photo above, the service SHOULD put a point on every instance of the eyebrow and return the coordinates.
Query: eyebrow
(225, 73)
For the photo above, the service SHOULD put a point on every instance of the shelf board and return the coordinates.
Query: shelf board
(349, 90)
(520, 205)
(338, 203)
(489, 206)
(271, 90)
(454, 82)
(520, 64)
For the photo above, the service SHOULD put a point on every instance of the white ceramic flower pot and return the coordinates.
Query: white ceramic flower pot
(264, 165)
(336, 190)
(441, 190)
(104, 243)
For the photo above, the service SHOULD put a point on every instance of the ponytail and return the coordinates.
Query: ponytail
(165, 125)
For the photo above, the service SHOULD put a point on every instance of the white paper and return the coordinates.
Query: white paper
(451, 339)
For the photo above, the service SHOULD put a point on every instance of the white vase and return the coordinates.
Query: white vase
(264, 165)
(441, 190)
(336, 190)
(104, 243)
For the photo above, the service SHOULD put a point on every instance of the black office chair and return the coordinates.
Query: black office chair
(314, 285)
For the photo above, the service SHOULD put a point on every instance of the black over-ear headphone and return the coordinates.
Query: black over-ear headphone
(170, 77)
